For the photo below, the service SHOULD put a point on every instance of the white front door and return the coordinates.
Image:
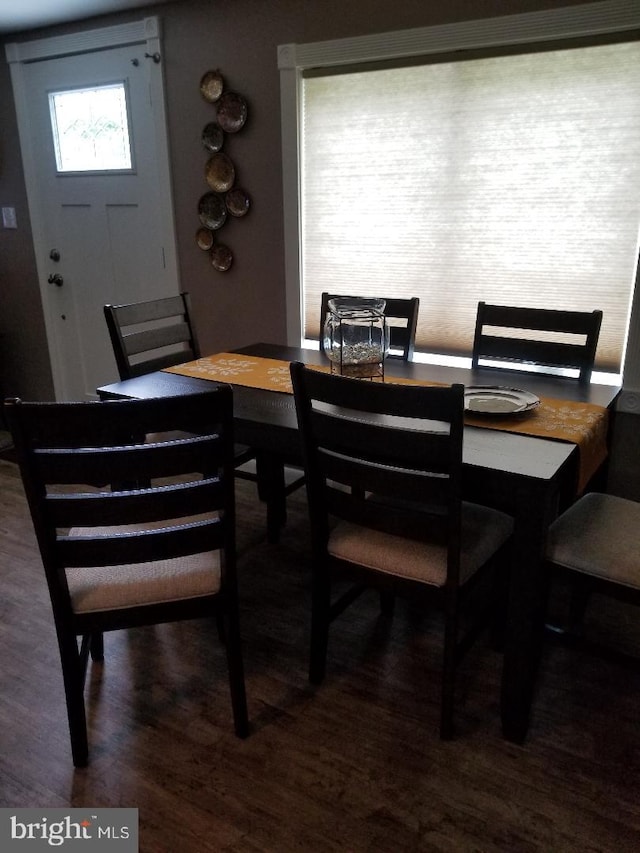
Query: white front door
(101, 235)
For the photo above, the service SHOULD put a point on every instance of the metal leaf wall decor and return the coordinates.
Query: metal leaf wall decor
(224, 197)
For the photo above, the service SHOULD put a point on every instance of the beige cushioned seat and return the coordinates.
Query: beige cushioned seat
(599, 535)
(483, 532)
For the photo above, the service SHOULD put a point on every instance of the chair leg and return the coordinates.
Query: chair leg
(233, 645)
(320, 618)
(97, 647)
(73, 676)
(580, 594)
(448, 676)
(498, 611)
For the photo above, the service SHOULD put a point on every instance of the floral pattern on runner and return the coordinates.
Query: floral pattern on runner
(253, 372)
(229, 368)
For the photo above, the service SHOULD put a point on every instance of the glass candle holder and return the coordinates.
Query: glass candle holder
(356, 336)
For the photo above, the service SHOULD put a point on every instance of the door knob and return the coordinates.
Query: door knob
(54, 254)
(56, 278)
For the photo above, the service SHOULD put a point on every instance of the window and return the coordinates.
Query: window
(91, 129)
(512, 178)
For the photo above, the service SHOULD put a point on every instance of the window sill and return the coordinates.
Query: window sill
(598, 377)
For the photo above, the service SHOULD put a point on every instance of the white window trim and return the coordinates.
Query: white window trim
(608, 17)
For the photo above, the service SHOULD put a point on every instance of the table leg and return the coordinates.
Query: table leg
(271, 490)
(528, 591)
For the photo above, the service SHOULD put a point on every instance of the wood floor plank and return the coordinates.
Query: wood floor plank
(354, 765)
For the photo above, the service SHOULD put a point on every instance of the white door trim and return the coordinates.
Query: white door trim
(136, 32)
(145, 32)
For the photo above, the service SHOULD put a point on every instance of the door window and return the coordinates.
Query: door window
(91, 129)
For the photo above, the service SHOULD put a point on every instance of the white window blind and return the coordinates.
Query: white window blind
(512, 179)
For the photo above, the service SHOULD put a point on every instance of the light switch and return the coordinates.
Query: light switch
(9, 217)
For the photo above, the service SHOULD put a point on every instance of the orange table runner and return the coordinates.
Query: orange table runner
(583, 424)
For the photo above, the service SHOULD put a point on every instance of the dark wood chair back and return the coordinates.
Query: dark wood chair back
(402, 320)
(401, 442)
(116, 557)
(148, 336)
(548, 338)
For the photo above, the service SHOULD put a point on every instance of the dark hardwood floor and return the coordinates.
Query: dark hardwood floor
(355, 765)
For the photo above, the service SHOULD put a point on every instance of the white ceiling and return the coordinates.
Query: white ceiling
(17, 15)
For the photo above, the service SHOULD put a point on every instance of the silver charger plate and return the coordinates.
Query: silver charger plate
(497, 400)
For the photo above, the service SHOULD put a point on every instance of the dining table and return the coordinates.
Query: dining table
(530, 464)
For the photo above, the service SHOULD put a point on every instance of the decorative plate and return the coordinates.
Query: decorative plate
(220, 172)
(237, 201)
(204, 238)
(212, 211)
(495, 400)
(213, 137)
(221, 257)
(232, 112)
(211, 86)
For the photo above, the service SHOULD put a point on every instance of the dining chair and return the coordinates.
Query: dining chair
(402, 321)
(516, 337)
(117, 558)
(159, 333)
(596, 541)
(383, 466)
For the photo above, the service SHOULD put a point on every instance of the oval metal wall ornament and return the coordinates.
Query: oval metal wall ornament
(221, 257)
(204, 239)
(213, 137)
(232, 112)
(220, 172)
(212, 86)
(212, 211)
(237, 201)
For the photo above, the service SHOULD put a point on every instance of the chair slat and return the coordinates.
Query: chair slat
(409, 485)
(154, 309)
(116, 464)
(144, 547)
(535, 352)
(136, 506)
(163, 336)
(524, 349)
(85, 420)
(401, 447)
